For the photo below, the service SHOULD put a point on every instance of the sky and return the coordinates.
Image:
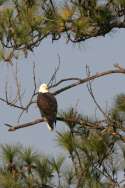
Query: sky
(100, 54)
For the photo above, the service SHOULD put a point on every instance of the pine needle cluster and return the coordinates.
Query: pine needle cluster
(74, 19)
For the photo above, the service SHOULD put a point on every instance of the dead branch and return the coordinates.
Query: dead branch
(13, 128)
(18, 85)
(95, 125)
(65, 80)
(89, 87)
(12, 102)
(93, 77)
(53, 77)
(90, 90)
(52, 4)
(32, 96)
(18, 96)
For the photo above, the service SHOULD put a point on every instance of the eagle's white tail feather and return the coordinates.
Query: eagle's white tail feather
(50, 128)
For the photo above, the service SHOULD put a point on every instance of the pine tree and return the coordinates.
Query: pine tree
(94, 148)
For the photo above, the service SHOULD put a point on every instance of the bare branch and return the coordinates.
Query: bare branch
(18, 86)
(118, 66)
(13, 128)
(65, 80)
(34, 78)
(18, 97)
(81, 122)
(93, 77)
(11, 104)
(53, 77)
(89, 87)
(52, 4)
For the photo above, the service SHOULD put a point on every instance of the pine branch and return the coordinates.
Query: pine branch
(81, 122)
(55, 21)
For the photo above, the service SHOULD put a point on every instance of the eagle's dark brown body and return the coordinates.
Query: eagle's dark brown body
(47, 104)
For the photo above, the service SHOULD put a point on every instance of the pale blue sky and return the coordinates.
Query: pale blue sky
(99, 53)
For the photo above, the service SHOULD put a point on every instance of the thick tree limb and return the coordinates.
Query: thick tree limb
(82, 81)
(82, 122)
(13, 128)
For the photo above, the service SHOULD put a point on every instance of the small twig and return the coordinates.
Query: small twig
(89, 87)
(8, 125)
(118, 66)
(65, 80)
(34, 78)
(32, 96)
(51, 2)
(53, 77)
(18, 85)
(11, 104)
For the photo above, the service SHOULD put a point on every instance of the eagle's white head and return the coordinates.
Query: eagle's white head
(43, 88)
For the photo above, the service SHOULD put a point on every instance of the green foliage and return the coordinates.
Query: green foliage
(118, 110)
(94, 152)
(76, 20)
(66, 141)
(28, 156)
(8, 181)
(91, 160)
(120, 102)
(57, 163)
(44, 170)
(103, 15)
(2, 1)
(26, 168)
(93, 146)
(68, 176)
(71, 117)
(9, 152)
(96, 143)
(119, 2)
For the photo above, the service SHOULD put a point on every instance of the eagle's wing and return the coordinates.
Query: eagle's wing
(47, 104)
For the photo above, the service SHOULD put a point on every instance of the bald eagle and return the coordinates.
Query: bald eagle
(47, 105)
